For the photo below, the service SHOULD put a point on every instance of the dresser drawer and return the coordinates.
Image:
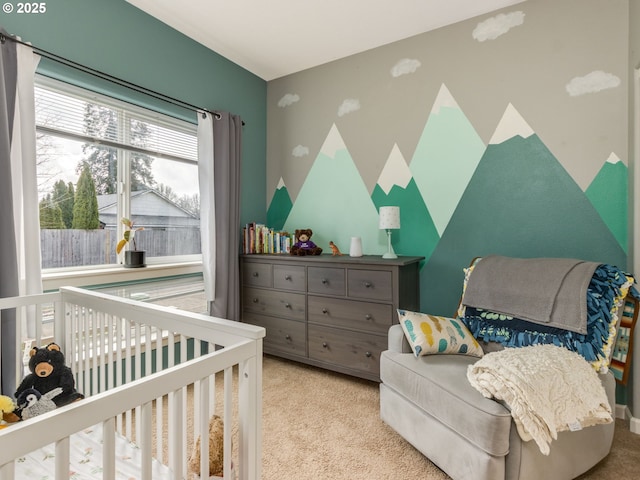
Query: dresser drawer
(270, 302)
(371, 284)
(326, 280)
(257, 274)
(359, 351)
(283, 336)
(289, 277)
(369, 317)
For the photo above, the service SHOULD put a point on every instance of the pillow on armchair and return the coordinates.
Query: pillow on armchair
(431, 334)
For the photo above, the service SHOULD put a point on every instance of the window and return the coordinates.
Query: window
(100, 160)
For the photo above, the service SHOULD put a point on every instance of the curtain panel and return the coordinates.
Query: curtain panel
(20, 272)
(219, 159)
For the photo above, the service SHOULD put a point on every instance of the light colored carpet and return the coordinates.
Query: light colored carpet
(323, 425)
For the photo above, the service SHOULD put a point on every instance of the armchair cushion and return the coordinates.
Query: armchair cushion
(437, 384)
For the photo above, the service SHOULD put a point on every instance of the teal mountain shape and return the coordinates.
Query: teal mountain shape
(608, 193)
(520, 202)
(335, 203)
(279, 208)
(445, 158)
(396, 187)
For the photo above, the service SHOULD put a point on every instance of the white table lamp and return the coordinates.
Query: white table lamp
(389, 220)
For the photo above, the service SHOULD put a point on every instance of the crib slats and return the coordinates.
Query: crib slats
(145, 441)
(112, 345)
(109, 449)
(63, 453)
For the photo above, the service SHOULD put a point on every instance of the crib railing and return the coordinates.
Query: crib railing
(148, 373)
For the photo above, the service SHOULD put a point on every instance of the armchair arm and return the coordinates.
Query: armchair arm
(397, 340)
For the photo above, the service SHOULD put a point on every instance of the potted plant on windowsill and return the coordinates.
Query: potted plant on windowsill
(132, 258)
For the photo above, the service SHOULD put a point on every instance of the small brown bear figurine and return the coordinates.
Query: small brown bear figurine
(304, 245)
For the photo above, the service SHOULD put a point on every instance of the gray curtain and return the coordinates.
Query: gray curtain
(9, 285)
(220, 211)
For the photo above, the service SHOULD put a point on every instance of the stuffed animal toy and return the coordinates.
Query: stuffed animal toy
(216, 450)
(304, 245)
(7, 407)
(334, 249)
(48, 371)
(32, 403)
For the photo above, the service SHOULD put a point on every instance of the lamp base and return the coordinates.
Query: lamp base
(390, 253)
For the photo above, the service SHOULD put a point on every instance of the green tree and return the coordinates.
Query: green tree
(50, 214)
(63, 197)
(102, 122)
(85, 208)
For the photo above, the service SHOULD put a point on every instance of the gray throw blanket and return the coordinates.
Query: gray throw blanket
(548, 291)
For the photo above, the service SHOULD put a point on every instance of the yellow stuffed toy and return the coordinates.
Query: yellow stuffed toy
(7, 407)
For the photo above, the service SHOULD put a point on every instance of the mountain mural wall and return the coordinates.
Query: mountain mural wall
(520, 202)
(512, 197)
(445, 158)
(609, 195)
(334, 201)
(280, 207)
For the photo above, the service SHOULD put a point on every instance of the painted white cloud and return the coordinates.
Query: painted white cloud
(405, 66)
(288, 99)
(592, 82)
(300, 151)
(348, 106)
(493, 27)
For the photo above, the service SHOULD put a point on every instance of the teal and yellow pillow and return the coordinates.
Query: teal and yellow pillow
(430, 334)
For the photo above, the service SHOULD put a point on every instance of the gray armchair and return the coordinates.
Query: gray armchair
(429, 401)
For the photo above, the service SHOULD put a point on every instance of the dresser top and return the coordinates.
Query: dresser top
(331, 259)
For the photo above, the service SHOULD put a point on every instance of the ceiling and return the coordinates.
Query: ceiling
(274, 38)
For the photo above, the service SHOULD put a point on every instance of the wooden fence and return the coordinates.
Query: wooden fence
(72, 248)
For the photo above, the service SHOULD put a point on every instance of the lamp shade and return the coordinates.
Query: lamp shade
(389, 218)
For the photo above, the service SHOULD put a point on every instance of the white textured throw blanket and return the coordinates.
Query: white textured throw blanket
(549, 389)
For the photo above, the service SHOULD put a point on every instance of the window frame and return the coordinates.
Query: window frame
(156, 266)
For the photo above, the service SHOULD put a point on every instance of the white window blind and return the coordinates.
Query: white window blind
(63, 112)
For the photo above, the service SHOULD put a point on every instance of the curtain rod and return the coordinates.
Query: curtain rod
(109, 78)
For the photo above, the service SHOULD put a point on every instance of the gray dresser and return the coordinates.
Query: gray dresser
(332, 312)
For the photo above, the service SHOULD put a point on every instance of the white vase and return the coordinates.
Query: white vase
(356, 247)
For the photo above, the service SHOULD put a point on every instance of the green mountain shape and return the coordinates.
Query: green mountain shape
(417, 234)
(279, 208)
(520, 202)
(608, 193)
(445, 158)
(335, 203)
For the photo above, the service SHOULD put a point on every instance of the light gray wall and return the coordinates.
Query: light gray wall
(528, 67)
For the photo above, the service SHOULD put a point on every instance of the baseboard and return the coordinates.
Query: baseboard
(623, 412)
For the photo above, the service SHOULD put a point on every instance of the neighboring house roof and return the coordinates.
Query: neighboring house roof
(148, 208)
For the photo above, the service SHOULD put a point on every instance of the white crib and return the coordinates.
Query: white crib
(134, 363)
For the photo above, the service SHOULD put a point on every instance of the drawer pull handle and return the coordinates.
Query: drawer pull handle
(287, 337)
(368, 316)
(368, 284)
(368, 354)
(325, 311)
(287, 277)
(256, 274)
(287, 305)
(255, 300)
(324, 281)
(325, 345)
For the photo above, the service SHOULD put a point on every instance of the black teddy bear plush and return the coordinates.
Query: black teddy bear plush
(48, 371)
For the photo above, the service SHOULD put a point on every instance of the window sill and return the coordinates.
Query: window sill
(114, 274)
